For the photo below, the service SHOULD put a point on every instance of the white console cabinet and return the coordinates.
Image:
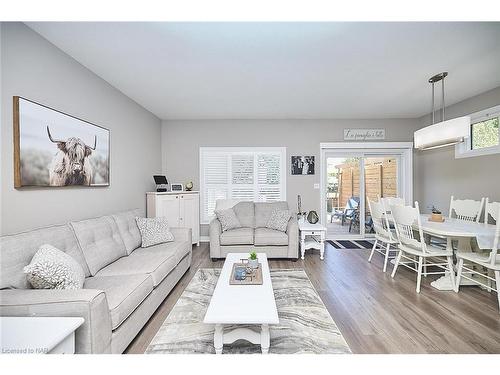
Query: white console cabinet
(181, 208)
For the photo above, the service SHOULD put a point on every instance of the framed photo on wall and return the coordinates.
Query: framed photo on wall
(52, 148)
(302, 165)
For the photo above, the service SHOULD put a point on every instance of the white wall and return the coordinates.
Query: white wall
(181, 141)
(438, 174)
(35, 69)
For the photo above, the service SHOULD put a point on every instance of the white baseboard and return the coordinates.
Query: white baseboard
(204, 239)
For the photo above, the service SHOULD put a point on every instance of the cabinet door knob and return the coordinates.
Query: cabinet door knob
(176, 197)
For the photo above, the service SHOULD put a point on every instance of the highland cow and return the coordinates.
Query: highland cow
(71, 165)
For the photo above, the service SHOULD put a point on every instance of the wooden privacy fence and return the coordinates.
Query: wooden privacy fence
(380, 179)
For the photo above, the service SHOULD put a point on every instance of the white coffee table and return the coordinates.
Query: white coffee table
(38, 335)
(312, 236)
(242, 304)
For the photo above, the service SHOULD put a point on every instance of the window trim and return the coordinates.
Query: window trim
(464, 149)
(254, 150)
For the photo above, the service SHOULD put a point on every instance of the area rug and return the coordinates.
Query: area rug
(348, 244)
(305, 324)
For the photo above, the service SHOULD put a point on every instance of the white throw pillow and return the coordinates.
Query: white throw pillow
(154, 231)
(51, 268)
(228, 219)
(278, 220)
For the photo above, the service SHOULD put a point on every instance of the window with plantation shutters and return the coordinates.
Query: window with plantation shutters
(243, 173)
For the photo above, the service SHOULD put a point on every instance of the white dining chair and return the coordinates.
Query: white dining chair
(405, 218)
(383, 234)
(489, 261)
(490, 211)
(387, 202)
(466, 209)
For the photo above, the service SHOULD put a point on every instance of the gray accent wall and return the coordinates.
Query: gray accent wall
(181, 140)
(35, 69)
(438, 174)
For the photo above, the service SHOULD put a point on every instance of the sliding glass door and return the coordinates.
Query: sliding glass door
(343, 194)
(351, 177)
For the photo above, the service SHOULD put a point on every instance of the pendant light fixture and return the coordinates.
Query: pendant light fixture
(446, 132)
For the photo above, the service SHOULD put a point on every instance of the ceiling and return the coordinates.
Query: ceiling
(284, 70)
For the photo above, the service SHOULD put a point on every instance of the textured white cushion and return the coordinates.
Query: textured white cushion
(52, 268)
(154, 231)
(228, 219)
(279, 220)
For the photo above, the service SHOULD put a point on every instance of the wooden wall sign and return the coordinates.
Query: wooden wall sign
(364, 134)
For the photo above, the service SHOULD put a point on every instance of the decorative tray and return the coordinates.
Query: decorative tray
(250, 276)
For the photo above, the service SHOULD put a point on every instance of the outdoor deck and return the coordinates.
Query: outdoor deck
(335, 229)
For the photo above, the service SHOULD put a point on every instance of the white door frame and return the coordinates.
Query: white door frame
(367, 149)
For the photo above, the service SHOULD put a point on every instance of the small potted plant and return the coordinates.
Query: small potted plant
(252, 260)
(436, 215)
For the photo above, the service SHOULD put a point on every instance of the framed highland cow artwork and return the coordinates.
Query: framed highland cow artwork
(52, 148)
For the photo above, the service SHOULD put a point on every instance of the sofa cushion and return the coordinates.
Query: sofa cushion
(100, 241)
(17, 250)
(52, 268)
(123, 293)
(154, 230)
(239, 236)
(157, 261)
(245, 212)
(279, 220)
(228, 219)
(263, 211)
(270, 237)
(128, 229)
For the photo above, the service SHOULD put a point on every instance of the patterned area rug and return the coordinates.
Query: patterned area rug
(305, 324)
(348, 244)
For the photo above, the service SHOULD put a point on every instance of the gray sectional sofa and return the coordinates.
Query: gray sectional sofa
(254, 235)
(124, 283)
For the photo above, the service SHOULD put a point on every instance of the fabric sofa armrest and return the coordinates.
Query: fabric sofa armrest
(182, 234)
(215, 231)
(93, 336)
(292, 230)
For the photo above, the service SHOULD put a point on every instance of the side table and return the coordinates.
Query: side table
(312, 236)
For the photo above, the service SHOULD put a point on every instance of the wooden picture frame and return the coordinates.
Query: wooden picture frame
(55, 149)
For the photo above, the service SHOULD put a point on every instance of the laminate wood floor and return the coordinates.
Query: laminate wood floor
(375, 313)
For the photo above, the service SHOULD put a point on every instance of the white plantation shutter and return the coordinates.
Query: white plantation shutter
(269, 177)
(242, 169)
(215, 175)
(244, 173)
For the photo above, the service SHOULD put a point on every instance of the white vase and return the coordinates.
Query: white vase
(254, 263)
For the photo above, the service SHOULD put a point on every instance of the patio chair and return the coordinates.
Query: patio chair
(349, 210)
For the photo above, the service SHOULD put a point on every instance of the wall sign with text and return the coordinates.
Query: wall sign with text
(364, 134)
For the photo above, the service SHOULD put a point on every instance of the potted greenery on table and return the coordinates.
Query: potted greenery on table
(436, 215)
(252, 260)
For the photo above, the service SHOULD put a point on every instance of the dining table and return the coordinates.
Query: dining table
(461, 232)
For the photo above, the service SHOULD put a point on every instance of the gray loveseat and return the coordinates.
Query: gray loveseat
(254, 235)
(124, 283)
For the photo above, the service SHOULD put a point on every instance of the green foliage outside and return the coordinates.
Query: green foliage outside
(485, 133)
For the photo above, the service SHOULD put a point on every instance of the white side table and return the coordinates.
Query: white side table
(312, 236)
(38, 335)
